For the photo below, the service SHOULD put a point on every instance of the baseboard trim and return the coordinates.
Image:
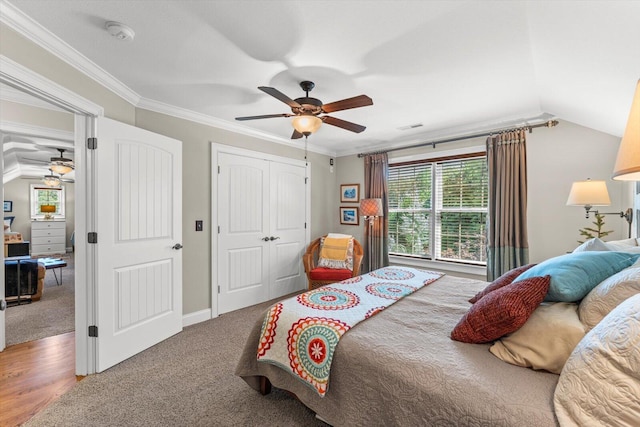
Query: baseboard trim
(196, 317)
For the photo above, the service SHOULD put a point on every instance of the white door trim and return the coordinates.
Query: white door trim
(216, 149)
(85, 111)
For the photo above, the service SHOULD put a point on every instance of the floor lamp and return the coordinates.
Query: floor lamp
(371, 209)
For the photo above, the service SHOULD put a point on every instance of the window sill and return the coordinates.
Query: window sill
(473, 270)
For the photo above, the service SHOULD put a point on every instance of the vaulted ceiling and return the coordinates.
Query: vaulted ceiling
(433, 68)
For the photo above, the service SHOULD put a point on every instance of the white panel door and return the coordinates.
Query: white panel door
(287, 227)
(138, 205)
(243, 272)
(3, 304)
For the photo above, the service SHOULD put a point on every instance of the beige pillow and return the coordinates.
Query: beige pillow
(607, 295)
(545, 341)
(600, 383)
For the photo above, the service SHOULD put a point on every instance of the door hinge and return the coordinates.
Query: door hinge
(92, 237)
(218, 289)
(92, 143)
(305, 179)
(218, 229)
(218, 169)
(305, 225)
(93, 331)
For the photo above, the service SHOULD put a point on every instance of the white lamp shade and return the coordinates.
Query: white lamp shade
(627, 166)
(589, 193)
(60, 168)
(51, 180)
(306, 125)
(371, 207)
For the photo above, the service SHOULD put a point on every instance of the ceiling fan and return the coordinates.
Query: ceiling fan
(60, 165)
(306, 111)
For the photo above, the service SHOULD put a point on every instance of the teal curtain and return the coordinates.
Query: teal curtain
(507, 242)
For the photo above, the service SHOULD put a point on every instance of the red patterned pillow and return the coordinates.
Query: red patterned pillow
(502, 311)
(501, 281)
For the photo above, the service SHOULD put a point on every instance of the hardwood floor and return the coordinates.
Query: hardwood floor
(34, 374)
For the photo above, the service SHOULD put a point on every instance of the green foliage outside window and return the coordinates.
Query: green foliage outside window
(439, 210)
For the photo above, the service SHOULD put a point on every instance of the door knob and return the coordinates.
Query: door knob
(3, 305)
(177, 246)
(266, 239)
(273, 238)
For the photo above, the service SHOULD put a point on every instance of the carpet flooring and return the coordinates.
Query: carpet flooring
(53, 314)
(186, 380)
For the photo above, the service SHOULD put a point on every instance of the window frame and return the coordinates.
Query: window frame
(34, 193)
(434, 256)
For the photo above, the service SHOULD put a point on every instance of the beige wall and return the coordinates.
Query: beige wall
(197, 140)
(35, 116)
(18, 191)
(555, 158)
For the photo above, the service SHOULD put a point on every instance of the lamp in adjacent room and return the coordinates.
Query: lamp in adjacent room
(627, 166)
(371, 209)
(594, 193)
(48, 211)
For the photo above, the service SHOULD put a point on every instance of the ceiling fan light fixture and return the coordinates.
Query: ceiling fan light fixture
(51, 180)
(306, 124)
(61, 167)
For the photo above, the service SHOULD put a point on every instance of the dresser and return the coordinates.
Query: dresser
(48, 237)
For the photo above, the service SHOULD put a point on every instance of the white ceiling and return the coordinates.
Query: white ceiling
(452, 66)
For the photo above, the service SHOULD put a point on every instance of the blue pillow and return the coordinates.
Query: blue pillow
(574, 275)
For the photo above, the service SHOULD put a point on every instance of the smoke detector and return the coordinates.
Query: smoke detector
(120, 31)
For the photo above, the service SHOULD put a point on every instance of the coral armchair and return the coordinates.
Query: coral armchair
(319, 276)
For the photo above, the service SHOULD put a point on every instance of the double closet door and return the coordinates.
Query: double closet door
(261, 233)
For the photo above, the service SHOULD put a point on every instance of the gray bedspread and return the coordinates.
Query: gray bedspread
(400, 368)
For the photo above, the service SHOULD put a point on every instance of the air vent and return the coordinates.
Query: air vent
(413, 126)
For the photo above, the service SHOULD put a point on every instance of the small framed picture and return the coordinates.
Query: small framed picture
(349, 216)
(8, 206)
(350, 193)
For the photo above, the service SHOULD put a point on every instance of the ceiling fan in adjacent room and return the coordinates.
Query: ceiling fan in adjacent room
(306, 111)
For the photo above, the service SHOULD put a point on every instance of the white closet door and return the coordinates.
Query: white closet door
(287, 227)
(243, 218)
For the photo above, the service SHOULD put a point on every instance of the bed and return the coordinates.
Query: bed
(573, 357)
(414, 373)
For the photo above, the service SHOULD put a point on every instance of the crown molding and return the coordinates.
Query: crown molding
(32, 30)
(10, 94)
(182, 113)
(36, 131)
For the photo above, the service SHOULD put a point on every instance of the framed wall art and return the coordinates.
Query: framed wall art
(349, 215)
(8, 206)
(350, 193)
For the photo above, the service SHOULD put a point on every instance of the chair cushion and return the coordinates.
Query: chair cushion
(322, 273)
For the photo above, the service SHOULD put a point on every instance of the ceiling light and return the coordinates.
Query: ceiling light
(120, 31)
(51, 180)
(61, 165)
(306, 124)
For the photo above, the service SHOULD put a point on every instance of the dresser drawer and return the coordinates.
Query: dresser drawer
(35, 233)
(47, 225)
(48, 240)
(54, 248)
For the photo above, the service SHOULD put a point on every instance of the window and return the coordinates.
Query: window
(48, 196)
(438, 209)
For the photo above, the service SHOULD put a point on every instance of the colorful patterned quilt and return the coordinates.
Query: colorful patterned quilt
(300, 334)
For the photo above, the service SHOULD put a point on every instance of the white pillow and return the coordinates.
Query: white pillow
(594, 244)
(7, 225)
(600, 383)
(545, 341)
(621, 245)
(608, 295)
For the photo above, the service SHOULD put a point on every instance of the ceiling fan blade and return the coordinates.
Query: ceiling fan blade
(279, 95)
(296, 135)
(266, 116)
(353, 127)
(345, 104)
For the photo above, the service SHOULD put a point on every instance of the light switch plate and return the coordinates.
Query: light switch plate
(198, 225)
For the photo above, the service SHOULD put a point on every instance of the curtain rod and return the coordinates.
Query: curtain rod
(548, 124)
